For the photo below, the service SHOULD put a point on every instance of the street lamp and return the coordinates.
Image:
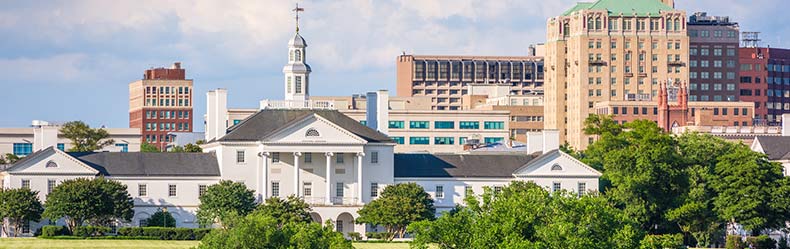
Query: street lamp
(164, 217)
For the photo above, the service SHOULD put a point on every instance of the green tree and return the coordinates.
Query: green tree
(96, 201)
(187, 148)
(259, 230)
(146, 147)
(9, 159)
(749, 188)
(161, 218)
(19, 206)
(398, 206)
(291, 209)
(84, 138)
(223, 202)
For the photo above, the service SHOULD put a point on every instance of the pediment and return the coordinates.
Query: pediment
(52, 162)
(314, 129)
(556, 164)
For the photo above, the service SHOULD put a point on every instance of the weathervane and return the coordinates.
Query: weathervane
(297, 10)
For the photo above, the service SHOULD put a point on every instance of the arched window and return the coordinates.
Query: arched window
(677, 24)
(597, 23)
(312, 133)
(52, 164)
(566, 30)
(556, 167)
(298, 55)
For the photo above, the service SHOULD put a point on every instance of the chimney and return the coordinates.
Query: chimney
(551, 140)
(177, 65)
(378, 110)
(534, 142)
(216, 113)
(786, 124)
(44, 135)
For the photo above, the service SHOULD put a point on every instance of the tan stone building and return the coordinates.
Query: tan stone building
(610, 50)
(161, 103)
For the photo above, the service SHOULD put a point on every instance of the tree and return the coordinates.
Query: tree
(146, 147)
(292, 209)
(161, 218)
(259, 230)
(84, 138)
(749, 188)
(187, 148)
(19, 206)
(9, 159)
(524, 215)
(96, 201)
(398, 206)
(223, 201)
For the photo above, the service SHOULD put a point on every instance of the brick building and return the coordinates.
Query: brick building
(713, 58)
(160, 103)
(765, 80)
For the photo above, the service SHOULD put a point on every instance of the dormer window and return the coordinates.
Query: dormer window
(556, 167)
(52, 164)
(312, 133)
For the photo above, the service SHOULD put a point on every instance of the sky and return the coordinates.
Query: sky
(73, 59)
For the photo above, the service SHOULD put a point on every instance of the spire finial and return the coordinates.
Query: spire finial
(297, 10)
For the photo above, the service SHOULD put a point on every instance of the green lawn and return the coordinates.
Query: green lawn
(121, 244)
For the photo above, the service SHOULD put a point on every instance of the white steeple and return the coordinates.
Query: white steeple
(297, 72)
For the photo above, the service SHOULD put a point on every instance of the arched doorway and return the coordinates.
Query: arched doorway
(344, 223)
(316, 217)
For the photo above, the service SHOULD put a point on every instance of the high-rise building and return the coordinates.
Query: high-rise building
(713, 58)
(445, 78)
(610, 50)
(765, 80)
(161, 102)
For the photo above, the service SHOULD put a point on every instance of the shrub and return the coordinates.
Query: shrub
(50, 230)
(91, 231)
(355, 236)
(201, 232)
(671, 241)
(760, 242)
(165, 233)
(734, 242)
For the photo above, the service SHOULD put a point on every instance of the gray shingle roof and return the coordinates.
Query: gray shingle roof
(459, 165)
(776, 147)
(267, 122)
(151, 164)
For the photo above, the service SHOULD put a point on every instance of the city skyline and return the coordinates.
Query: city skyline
(91, 51)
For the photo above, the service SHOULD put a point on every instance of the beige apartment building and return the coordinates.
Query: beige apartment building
(445, 78)
(610, 50)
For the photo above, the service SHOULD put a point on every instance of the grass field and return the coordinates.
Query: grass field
(123, 244)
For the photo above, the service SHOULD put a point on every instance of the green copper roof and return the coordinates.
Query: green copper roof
(627, 7)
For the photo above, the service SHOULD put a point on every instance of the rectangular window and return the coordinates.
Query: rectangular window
(439, 191)
(418, 124)
(444, 140)
(444, 125)
(582, 188)
(374, 157)
(419, 140)
(298, 84)
(124, 147)
(398, 140)
(171, 190)
(26, 183)
(275, 189)
(468, 190)
(492, 140)
(374, 189)
(462, 140)
(556, 186)
(469, 125)
(308, 157)
(23, 149)
(61, 146)
(396, 124)
(239, 156)
(201, 189)
(307, 189)
(494, 125)
(339, 158)
(50, 185)
(142, 190)
(339, 189)
(275, 157)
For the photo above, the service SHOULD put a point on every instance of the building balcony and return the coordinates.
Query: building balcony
(676, 63)
(597, 62)
(297, 104)
(334, 201)
(628, 74)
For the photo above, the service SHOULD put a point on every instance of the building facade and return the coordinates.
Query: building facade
(445, 78)
(160, 103)
(713, 58)
(765, 80)
(610, 50)
(24, 141)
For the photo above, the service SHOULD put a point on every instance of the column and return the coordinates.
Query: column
(265, 182)
(296, 173)
(328, 179)
(359, 177)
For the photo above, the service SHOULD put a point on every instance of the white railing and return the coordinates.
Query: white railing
(297, 104)
(335, 201)
(723, 130)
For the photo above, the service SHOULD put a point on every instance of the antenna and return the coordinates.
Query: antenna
(297, 10)
(750, 39)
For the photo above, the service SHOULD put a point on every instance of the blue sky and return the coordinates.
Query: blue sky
(73, 60)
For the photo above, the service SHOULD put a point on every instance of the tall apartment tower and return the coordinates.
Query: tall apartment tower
(161, 103)
(446, 78)
(610, 50)
(765, 80)
(713, 58)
